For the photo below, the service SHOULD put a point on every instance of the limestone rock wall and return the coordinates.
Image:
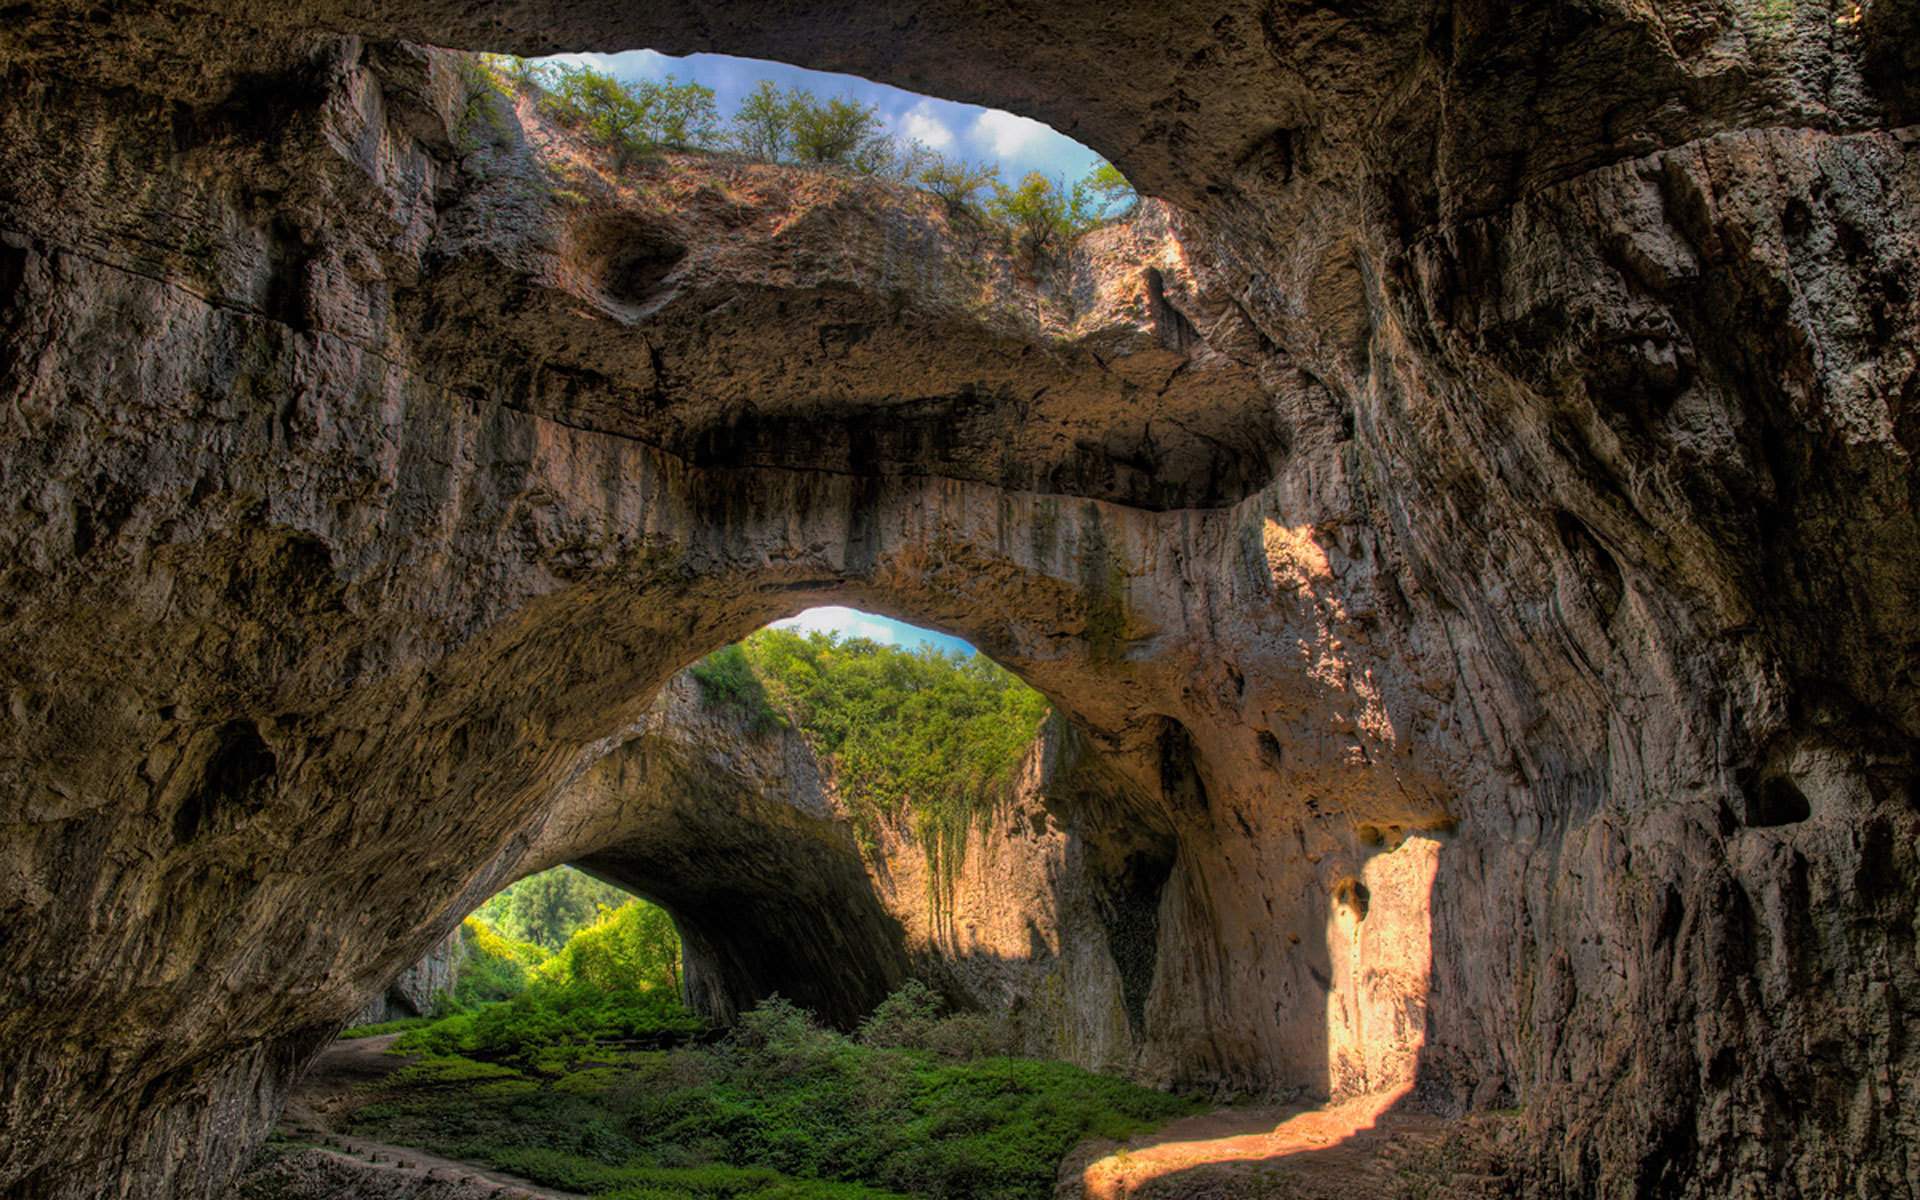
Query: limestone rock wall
(1512, 450)
(414, 991)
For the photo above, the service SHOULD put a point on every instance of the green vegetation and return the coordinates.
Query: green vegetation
(615, 982)
(728, 683)
(781, 1109)
(634, 120)
(1047, 215)
(548, 908)
(942, 734)
(379, 1028)
(496, 968)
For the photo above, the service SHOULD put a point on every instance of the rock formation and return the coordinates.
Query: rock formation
(414, 992)
(1501, 442)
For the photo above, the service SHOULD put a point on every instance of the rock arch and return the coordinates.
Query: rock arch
(1588, 503)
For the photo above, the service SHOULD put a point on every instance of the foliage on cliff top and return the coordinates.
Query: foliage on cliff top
(941, 734)
(636, 119)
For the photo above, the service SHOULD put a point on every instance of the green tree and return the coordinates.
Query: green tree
(955, 180)
(1044, 214)
(832, 131)
(548, 908)
(1108, 187)
(762, 126)
(632, 947)
(633, 119)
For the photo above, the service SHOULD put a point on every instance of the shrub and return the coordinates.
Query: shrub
(956, 181)
(383, 1027)
(778, 1038)
(904, 1019)
(1045, 214)
(632, 119)
(727, 682)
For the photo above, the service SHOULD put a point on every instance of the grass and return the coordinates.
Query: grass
(781, 1109)
(384, 1027)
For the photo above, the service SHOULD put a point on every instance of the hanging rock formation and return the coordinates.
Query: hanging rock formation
(1502, 442)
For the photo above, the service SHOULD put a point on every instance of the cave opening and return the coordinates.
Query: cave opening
(801, 834)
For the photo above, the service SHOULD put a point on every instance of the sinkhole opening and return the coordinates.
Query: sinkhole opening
(995, 166)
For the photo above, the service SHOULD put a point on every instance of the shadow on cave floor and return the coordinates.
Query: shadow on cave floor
(1368, 1146)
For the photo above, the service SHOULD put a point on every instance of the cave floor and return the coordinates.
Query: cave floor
(379, 1169)
(1366, 1146)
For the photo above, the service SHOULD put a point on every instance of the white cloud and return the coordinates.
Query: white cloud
(921, 125)
(846, 622)
(1006, 136)
(628, 64)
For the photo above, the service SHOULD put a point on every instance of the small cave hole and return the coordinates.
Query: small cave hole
(232, 784)
(1353, 896)
(1593, 564)
(1270, 750)
(1777, 801)
(636, 269)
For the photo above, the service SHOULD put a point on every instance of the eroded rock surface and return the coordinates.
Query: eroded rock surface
(1534, 477)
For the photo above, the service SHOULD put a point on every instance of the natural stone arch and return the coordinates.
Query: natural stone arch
(1512, 361)
(353, 627)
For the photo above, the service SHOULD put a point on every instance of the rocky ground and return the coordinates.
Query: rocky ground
(308, 1160)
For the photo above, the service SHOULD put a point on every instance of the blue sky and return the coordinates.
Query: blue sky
(984, 135)
(851, 622)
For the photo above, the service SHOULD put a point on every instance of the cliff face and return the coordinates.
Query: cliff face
(414, 991)
(1503, 477)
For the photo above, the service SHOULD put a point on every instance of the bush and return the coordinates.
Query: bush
(956, 181)
(780, 1039)
(904, 1019)
(1045, 214)
(727, 682)
(383, 1027)
(632, 119)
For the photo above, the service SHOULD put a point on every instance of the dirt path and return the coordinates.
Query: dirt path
(331, 1089)
(1361, 1148)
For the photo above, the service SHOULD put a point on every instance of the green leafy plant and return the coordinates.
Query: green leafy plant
(1109, 188)
(632, 119)
(1045, 214)
(957, 181)
(905, 1018)
(782, 1109)
(727, 681)
(940, 734)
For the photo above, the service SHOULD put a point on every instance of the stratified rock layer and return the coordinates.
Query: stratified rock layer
(1510, 451)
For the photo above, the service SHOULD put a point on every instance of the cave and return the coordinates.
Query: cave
(1464, 520)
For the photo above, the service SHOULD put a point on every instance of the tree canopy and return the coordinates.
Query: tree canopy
(940, 734)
